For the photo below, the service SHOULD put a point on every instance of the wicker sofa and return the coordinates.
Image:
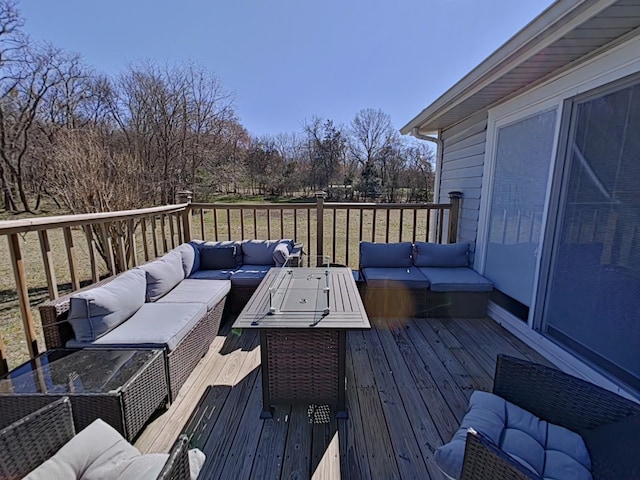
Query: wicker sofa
(175, 302)
(422, 279)
(28, 448)
(580, 415)
(153, 306)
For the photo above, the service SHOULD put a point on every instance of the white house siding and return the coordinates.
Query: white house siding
(463, 148)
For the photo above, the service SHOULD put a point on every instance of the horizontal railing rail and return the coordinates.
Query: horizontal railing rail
(89, 246)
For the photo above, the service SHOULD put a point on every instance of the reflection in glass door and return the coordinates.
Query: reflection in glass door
(593, 293)
(521, 172)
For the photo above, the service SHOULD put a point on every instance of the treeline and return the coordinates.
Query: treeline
(98, 143)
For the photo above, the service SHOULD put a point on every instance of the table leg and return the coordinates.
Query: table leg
(342, 373)
(267, 409)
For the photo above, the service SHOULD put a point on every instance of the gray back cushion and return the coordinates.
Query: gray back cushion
(190, 257)
(163, 274)
(441, 255)
(385, 255)
(97, 311)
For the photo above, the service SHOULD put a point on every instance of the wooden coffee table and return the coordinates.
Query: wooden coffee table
(303, 315)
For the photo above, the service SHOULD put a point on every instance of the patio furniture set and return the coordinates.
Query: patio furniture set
(137, 336)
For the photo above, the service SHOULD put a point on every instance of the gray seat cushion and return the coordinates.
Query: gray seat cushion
(458, 279)
(210, 292)
(249, 275)
(427, 254)
(155, 325)
(163, 275)
(410, 278)
(212, 274)
(96, 311)
(385, 255)
(548, 450)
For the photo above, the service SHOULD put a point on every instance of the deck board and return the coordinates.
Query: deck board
(408, 384)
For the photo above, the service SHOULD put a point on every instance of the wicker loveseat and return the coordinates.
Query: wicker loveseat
(422, 279)
(580, 415)
(27, 444)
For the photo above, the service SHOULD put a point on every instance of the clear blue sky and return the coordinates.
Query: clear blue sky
(287, 60)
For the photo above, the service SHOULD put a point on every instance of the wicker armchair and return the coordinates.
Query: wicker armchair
(29, 442)
(558, 398)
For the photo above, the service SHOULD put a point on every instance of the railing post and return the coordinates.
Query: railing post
(454, 215)
(320, 223)
(185, 196)
(23, 294)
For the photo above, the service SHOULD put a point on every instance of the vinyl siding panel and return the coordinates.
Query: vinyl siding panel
(463, 149)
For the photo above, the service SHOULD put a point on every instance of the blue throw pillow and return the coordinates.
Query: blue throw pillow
(218, 258)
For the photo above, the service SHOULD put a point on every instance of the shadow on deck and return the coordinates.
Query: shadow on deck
(408, 385)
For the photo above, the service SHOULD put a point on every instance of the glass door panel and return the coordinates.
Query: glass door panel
(593, 293)
(523, 158)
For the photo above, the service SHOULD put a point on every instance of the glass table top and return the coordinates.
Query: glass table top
(64, 371)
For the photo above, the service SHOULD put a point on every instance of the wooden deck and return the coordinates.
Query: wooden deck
(408, 385)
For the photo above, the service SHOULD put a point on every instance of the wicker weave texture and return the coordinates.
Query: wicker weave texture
(177, 466)
(126, 410)
(30, 441)
(239, 297)
(183, 359)
(483, 460)
(558, 397)
(303, 365)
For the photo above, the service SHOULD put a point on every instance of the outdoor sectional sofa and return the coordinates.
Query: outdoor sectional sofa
(174, 303)
(422, 279)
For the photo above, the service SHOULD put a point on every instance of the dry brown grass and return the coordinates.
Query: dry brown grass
(335, 245)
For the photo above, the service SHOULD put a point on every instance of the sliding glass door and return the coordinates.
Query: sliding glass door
(592, 301)
(518, 194)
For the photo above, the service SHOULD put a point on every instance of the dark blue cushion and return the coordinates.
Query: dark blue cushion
(223, 244)
(441, 255)
(249, 275)
(460, 279)
(263, 252)
(385, 255)
(395, 277)
(218, 258)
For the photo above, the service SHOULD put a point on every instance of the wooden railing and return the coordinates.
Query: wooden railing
(112, 242)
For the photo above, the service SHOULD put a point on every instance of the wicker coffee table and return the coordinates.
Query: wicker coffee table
(123, 387)
(303, 315)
